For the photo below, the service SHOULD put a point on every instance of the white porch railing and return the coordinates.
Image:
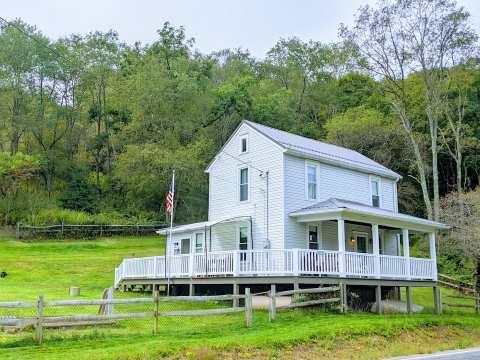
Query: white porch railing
(288, 262)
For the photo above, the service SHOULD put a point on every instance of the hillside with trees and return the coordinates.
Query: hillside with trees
(93, 126)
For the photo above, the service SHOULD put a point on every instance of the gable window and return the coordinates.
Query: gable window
(311, 182)
(243, 144)
(313, 237)
(375, 190)
(199, 243)
(243, 184)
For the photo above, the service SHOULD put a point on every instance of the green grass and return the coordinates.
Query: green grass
(50, 267)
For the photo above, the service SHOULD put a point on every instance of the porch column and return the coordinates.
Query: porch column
(376, 249)
(341, 246)
(433, 254)
(406, 251)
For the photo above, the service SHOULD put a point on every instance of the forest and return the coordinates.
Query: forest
(91, 127)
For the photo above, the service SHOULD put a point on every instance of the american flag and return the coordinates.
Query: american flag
(169, 200)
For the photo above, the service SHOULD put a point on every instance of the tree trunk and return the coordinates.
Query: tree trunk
(477, 275)
(436, 190)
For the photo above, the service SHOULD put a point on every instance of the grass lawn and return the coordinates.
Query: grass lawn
(50, 267)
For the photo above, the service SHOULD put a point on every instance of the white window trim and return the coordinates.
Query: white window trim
(249, 185)
(317, 176)
(379, 181)
(237, 236)
(240, 138)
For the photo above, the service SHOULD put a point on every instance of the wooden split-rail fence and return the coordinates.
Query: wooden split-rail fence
(332, 295)
(106, 311)
(475, 305)
(94, 230)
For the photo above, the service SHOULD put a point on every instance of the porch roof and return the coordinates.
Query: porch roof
(335, 208)
(201, 225)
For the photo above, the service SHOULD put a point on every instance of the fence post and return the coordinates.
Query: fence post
(39, 324)
(477, 303)
(155, 312)
(273, 303)
(342, 297)
(17, 232)
(248, 308)
(62, 230)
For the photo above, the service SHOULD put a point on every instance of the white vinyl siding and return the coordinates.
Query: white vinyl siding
(224, 179)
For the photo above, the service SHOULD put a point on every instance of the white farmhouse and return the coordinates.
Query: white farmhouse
(288, 209)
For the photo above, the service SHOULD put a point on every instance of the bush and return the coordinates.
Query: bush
(79, 195)
(73, 217)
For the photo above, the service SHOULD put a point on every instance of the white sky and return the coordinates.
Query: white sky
(215, 24)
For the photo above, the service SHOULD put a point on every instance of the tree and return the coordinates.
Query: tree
(79, 194)
(462, 212)
(419, 36)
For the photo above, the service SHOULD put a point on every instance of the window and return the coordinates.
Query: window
(243, 144)
(313, 238)
(185, 246)
(199, 243)
(176, 248)
(311, 182)
(243, 241)
(244, 184)
(375, 189)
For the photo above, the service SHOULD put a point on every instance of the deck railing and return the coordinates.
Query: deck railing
(288, 262)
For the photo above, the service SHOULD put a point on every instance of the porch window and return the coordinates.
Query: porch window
(176, 248)
(375, 189)
(311, 182)
(313, 237)
(243, 238)
(199, 243)
(244, 184)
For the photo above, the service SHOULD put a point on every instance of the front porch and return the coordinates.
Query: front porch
(275, 263)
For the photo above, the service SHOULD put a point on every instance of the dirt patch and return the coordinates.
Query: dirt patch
(262, 302)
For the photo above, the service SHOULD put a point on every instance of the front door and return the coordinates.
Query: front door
(361, 242)
(185, 246)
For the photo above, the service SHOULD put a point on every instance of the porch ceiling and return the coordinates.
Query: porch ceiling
(333, 209)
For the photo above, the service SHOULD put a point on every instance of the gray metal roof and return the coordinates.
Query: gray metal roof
(315, 149)
(333, 204)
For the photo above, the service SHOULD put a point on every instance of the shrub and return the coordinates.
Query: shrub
(79, 195)
(73, 217)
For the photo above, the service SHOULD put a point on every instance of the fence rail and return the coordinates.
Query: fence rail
(338, 295)
(41, 321)
(87, 230)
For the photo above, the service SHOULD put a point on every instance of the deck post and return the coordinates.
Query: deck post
(191, 289)
(376, 250)
(378, 298)
(433, 254)
(273, 303)
(236, 301)
(406, 252)
(296, 285)
(408, 291)
(39, 324)
(341, 246)
(236, 258)
(437, 300)
(248, 308)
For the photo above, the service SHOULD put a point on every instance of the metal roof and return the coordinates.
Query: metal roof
(314, 149)
(335, 204)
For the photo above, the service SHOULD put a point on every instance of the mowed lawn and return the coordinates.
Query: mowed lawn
(50, 267)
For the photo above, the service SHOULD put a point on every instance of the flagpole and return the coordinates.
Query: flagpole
(171, 228)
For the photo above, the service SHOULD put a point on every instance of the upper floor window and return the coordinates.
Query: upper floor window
(243, 184)
(243, 144)
(311, 182)
(375, 190)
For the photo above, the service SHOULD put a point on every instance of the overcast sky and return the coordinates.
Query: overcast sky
(215, 24)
